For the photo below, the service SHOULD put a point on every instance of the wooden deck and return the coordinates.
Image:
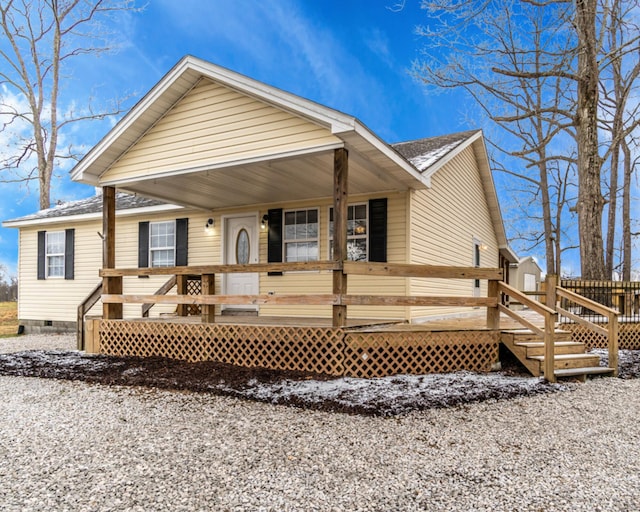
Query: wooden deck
(364, 348)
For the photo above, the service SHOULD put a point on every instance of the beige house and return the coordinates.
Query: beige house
(214, 168)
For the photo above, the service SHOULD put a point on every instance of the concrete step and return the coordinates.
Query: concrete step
(578, 372)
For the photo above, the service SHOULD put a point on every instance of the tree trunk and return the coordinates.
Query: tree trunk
(590, 201)
(626, 212)
(613, 202)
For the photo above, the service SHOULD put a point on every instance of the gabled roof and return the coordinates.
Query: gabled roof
(89, 208)
(184, 76)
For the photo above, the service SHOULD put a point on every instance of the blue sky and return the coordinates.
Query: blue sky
(353, 56)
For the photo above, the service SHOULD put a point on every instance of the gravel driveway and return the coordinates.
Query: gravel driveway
(75, 446)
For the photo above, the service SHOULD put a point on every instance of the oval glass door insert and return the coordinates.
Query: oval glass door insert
(242, 247)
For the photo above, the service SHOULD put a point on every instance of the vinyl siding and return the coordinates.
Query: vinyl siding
(445, 221)
(215, 125)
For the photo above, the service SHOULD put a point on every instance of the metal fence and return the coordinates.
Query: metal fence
(621, 295)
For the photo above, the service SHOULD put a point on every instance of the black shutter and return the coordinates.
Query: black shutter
(42, 242)
(143, 244)
(182, 242)
(274, 239)
(378, 229)
(69, 237)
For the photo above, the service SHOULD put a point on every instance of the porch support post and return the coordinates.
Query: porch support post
(208, 288)
(340, 212)
(182, 289)
(110, 285)
(550, 289)
(493, 314)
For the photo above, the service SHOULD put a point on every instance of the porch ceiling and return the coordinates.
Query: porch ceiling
(274, 180)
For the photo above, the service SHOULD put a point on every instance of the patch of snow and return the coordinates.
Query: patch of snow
(395, 394)
(426, 160)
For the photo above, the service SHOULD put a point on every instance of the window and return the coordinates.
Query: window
(357, 232)
(301, 235)
(162, 244)
(55, 253)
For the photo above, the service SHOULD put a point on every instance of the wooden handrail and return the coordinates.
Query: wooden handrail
(292, 300)
(314, 300)
(548, 333)
(416, 270)
(221, 269)
(348, 267)
(163, 290)
(611, 332)
(89, 301)
(538, 307)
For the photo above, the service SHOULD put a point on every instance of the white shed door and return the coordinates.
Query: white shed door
(241, 247)
(530, 283)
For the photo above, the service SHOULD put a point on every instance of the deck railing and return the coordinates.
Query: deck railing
(83, 308)
(208, 299)
(571, 300)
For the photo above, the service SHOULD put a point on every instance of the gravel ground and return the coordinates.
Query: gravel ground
(73, 446)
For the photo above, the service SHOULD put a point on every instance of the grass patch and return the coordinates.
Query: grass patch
(8, 319)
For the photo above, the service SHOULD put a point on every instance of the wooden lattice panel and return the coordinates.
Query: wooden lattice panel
(628, 336)
(310, 349)
(194, 287)
(419, 352)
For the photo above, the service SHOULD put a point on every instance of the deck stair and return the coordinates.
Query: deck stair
(571, 357)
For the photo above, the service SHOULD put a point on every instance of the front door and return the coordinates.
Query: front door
(241, 247)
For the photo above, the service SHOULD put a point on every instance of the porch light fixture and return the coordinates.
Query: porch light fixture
(483, 247)
(265, 221)
(208, 227)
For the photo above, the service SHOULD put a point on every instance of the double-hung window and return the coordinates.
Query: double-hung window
(301, 235)
(162, 244)
(55, 245)
(357, 232)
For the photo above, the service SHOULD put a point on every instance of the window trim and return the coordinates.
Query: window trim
(164, 248)
(366, 236)
(477, 263)
(285, 241)
(48, 254)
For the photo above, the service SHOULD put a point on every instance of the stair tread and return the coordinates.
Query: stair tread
(528, 331)
(531, 344)
(588, 370)
(560, 357)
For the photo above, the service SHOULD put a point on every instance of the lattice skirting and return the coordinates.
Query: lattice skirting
(628, 336)
(310, 349)
(419, 352)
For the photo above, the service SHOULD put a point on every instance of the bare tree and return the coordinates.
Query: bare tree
(619, 108)
(508, 43)
(42, 39)
(547, 70)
